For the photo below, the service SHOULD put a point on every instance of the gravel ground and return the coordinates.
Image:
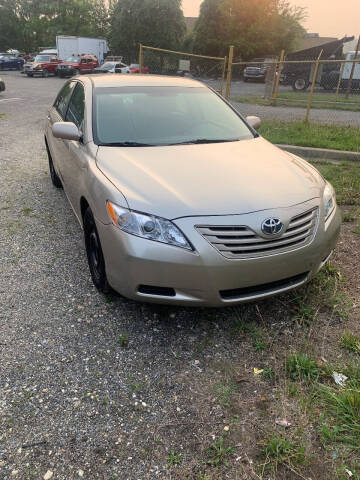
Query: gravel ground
(100, 387)
(90, 386)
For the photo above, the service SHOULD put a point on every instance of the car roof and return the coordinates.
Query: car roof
(142, 81)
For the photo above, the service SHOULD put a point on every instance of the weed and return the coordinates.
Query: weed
(300, 366)
(123, 340)
(268, 373)
(279, 450)
(218, 453)
(305, 312)
(357, 229)
(341, 417)
(27, 211)
(350, 342)
(225, 392)
(348, 217)
(258, 337)
(174, 459)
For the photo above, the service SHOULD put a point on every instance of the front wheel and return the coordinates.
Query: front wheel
(45, 73)
(95, 254)
(76, 72)
(54, 176)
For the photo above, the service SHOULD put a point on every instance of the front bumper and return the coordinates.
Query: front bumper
(137, 267)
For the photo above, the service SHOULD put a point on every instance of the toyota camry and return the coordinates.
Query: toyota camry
(180, 199)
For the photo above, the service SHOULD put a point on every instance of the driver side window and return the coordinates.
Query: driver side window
(63, 99)
(75, 112)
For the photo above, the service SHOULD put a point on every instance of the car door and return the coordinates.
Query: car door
(83, 65)
(76, 162)
(59, 148)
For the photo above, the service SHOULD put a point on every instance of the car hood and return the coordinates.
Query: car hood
(212, 179)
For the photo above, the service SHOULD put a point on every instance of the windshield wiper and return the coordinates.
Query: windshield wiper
(199, 141)
(125, 144)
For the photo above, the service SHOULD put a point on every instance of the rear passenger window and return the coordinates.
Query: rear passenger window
(63, 99)
(75, 112)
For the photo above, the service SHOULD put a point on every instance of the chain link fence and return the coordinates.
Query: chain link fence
(210, 70)
(325, 90)
(285, 88)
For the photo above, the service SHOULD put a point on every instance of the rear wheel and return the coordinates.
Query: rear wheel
(94, 253)
(300, 84)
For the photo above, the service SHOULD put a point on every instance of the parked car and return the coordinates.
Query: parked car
(2, 85)
(43, 65)
(249, 222)
(10, 62)
(133, 68)
(257, 72)
(76, 65)
(109, 67)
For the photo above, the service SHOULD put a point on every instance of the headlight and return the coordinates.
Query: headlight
(329, 200)
(147, 226)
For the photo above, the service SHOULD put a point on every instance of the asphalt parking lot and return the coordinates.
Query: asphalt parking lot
(101, 387)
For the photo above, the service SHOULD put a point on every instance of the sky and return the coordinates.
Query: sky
(329, 18)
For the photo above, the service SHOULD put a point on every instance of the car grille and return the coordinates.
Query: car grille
(265, 288)
(242, 242)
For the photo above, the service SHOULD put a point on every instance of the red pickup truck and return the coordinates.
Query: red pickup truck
(76, 65)
(43, 65)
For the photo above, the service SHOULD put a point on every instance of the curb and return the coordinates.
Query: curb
(321, 153)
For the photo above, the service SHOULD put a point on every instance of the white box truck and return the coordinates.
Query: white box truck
(67, 46)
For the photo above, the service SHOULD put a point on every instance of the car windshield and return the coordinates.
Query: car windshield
(154, 116)
(42, 58)
(73, 59)
(108, 65)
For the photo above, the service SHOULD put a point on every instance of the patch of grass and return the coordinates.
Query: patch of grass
(259, 340)
(279, 450)
(324, 291)
(268, 374)
(123, 340)
(300, 99)
(340, 422)
(27, 211)
(174, 459)
(300, 366)
(225, 392)
(218, 453)
(337, 137)
(357, 229)
(350, 342)
(345, 178)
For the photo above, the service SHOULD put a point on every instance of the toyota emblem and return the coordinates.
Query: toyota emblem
(271, 226)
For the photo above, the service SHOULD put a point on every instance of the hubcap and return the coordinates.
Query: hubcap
(300, 83)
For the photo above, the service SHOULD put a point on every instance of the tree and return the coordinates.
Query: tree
(254, 27)
(157, 23)
(30, 24)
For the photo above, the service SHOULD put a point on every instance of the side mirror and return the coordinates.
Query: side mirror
(66, 131)
(253, 121)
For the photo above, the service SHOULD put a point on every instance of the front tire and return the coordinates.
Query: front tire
(94, 253)
(45, 73)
